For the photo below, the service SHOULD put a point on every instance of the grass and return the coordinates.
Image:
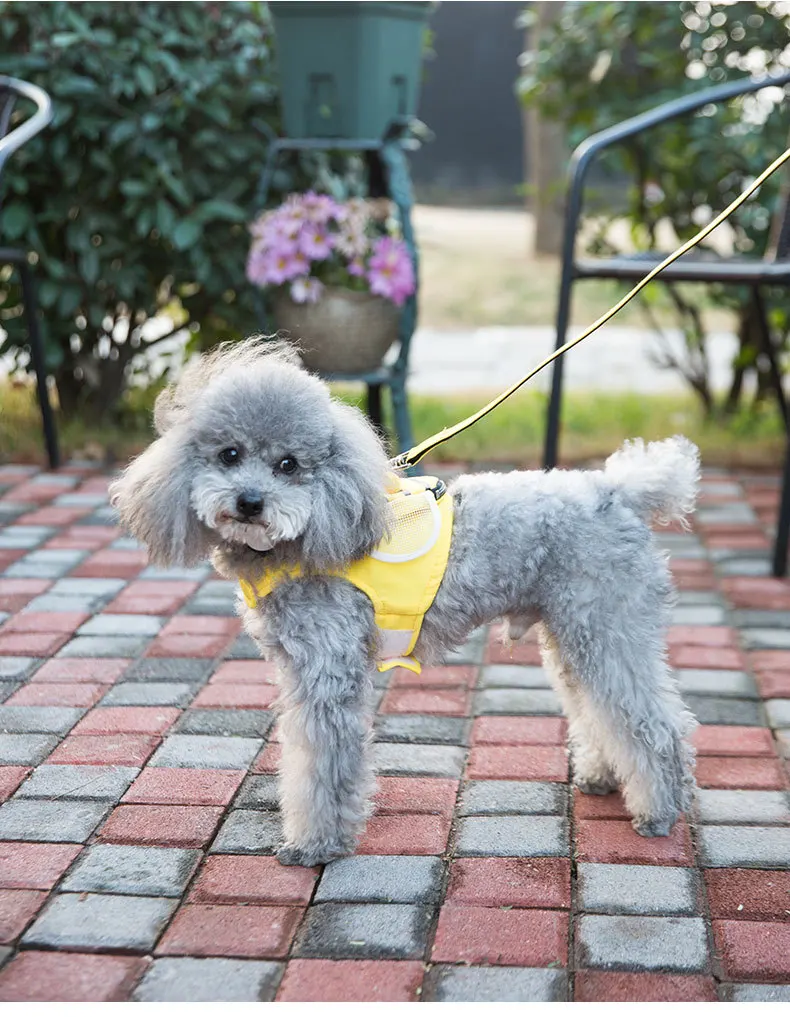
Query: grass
(594, 424)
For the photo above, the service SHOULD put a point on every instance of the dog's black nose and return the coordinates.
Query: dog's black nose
(249, 504)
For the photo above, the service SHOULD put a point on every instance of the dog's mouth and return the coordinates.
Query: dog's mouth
(241, 531)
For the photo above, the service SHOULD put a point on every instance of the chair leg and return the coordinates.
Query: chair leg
(783, 522)
(770, 353)
(39, 365)
(374, 407)
(551, 447)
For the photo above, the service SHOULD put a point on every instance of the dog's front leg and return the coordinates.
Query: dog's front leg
(326, 775)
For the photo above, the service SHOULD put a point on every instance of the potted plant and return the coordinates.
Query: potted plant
(337, 274)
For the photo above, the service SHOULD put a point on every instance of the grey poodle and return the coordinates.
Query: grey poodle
(257, 466)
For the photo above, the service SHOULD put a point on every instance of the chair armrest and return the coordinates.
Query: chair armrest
(30, 127)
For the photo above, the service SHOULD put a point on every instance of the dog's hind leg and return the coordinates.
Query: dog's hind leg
(592, 772)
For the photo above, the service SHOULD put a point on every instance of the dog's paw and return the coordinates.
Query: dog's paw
(596, 787)
(652, 827)
(292, 854)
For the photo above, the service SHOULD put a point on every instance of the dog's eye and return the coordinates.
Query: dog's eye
(287, 465)
(230, 456)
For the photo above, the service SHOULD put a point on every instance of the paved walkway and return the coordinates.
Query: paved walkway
(138, 755)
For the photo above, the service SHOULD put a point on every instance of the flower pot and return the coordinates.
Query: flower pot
(347, 69)
(345, 332)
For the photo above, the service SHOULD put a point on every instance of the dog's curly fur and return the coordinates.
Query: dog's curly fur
(569, 551)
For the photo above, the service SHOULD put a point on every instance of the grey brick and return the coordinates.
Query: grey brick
(101, 922)
(727, 512)
(766, 639)
(17, 667)
(126, 544)
(745, 846)
(105, 515)
(423, 760)
(639, 943)
(104, 646)
(214, 606)
(364, 930)
(81, 498)
(228, 723)
(181, 575)
(514, 676)
(509, 836)
(755, 993)
(756, 619)
(382, 879)
(744, 566)
(103, 589)
(11, 510)
(209, 980)
(38, 719)
(535, 702)
(129, 869)
(702, 682)
(122, 625)
(258, 792)
(778, 711)
(169, 669)
(638, 889)
(451, 984)
(699, 614)
(52, 603)
(425, 728)
(693, 598)
(55, 480)
(720, 710)
(150, 694)
(206, 752)
(32, 819)
(743, 806)
(490, 797)
(249, 832)
(45, 564)
(722, 489)
(220, 588)
(26, 749)
(243, 648)
(7, 689)
(470, 652)
(19, 537)
(93, 783)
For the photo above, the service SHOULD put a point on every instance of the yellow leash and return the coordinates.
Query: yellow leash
(416, 453)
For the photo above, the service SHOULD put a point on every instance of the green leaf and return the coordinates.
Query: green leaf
(14, 219)
(62, 40)
(186, 233)
(89, 266)
(145, 78)
(134, 188)
(216, 208)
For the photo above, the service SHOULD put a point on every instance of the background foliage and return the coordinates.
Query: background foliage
(135, 199)
(601, 63)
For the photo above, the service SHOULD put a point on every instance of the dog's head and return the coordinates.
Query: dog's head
(253, 453)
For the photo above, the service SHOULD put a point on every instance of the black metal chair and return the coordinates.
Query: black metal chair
(696, 266)
(12, 138)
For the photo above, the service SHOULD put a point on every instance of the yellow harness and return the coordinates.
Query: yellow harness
(402, 575)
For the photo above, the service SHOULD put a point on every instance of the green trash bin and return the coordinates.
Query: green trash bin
(347, 69)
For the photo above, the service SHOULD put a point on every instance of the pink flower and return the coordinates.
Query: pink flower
(390, 271)
(306, 290)
(315, 242)
(357, 268)
(319, 208)
(281, 266)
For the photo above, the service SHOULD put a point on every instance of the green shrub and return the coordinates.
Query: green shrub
(135, 199)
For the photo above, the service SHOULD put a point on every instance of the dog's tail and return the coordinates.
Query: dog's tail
(659, 480)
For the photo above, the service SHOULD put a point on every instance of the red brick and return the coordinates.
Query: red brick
(508, 762)
(726, 772)
(725, 740)
(515, 653)
(201, 625)
(32, 644)
(34, 492)
(642, 987)
(727, 658)
(16, 593)
(46, 621)
(53, 515)
(684, 581)
(105, 750)
(239, 672)
(519, 731)
(110, 563)
(224, 930)
(738, 541)
(415, 795)
(526, 938)
(10, 779)
(753, 951)
(161, 597)
(617, 842)
(347, 981)
(42, 976)
(84, 538)
(242, 696)
(28, 866)
(760, 593)
(701, 635)
(167, 785)
(454, 676)
(763, 661)
(748, 894)
(774, 684)
(188, 644)
(252, 879)
(511, 882)
(168, 825)
(448, 702)
(9, 555)
(609, 806)
(102, 670)
(17, 908)
(54, 694)
(268, 761)
(406, 834)
(153, 720)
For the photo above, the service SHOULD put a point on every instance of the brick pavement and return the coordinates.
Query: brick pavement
(137, 759)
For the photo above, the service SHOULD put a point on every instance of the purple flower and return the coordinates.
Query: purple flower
(315, 242)
(390, 271)
(306, 290)
(319, 208)
(357, 268)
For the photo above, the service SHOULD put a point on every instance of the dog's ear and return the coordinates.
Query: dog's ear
(348, 516)
(152, 496)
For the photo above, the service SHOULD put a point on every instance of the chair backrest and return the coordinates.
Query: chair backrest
(12, 138)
